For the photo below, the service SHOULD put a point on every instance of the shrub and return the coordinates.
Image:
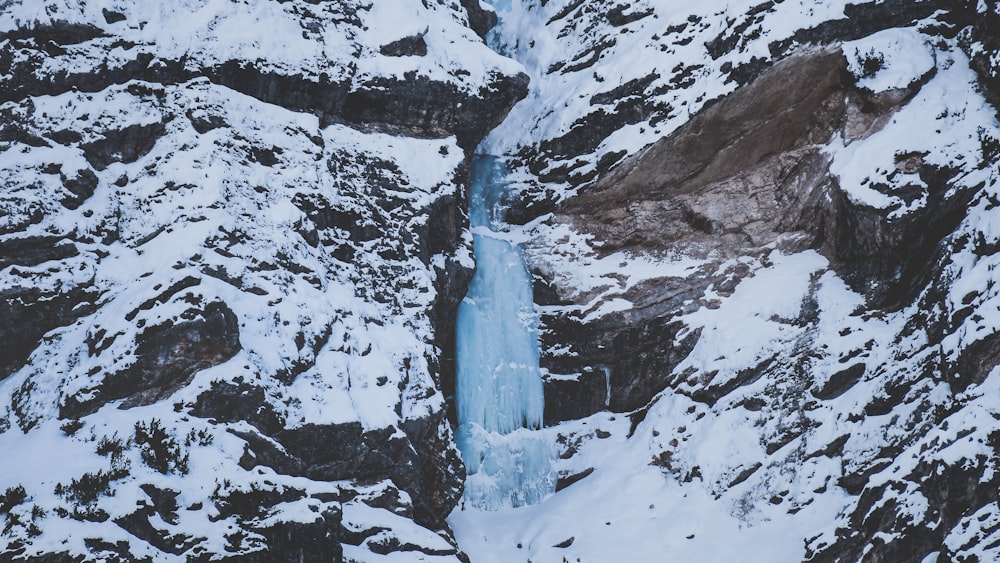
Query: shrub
(159, 449)
(989, 147)
(113, 445)
(200, 437)
(71, 426)
(87, 489)
(870, 62)
(12, 497)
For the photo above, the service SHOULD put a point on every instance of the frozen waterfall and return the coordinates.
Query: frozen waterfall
(499, 385)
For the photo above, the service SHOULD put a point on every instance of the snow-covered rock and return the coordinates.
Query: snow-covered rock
(761, 234)
(231, 248)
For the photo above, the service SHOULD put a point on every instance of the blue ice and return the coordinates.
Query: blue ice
(499, 384)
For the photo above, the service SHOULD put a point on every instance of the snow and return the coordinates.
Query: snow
(361, 517)
(904, 56)
(569, 258)
(643, 514)
(877, 160)
(200, 205)
(750, 325)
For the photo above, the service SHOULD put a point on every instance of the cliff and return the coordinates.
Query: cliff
(231, 248)
(234, 236)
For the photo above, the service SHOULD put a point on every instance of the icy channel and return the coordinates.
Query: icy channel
(499, 385)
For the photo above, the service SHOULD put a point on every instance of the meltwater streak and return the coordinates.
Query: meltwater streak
(499, 385)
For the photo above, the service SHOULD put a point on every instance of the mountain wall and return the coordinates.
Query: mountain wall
(232, 241)
(763, 236)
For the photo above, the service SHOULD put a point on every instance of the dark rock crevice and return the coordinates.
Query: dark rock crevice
(892, 261)
(410, 46)
(124, 145)
(60, 32)
(167, 358)
(28, 314)
(986, 32)
(413, 462)
(480, 20)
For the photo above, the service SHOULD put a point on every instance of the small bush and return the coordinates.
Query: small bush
(200, 437)
(120, 466)
(870, 62)
(87, 489)
(159, 449)
(113, 445)
(71, 426)
(989, 147)
(13, 520)
(12, 497)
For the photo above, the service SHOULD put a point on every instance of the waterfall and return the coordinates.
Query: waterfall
(499, 384)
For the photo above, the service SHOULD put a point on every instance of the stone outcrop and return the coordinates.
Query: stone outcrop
(167, 358)
(743, 177)
(31, 312)
(984, 43)
(579, 153)
(674, 194)
(410, 105)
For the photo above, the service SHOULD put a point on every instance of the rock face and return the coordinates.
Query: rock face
(231, 250)
(743, 178)
(762, 239)
(740, 178)
(982, 46)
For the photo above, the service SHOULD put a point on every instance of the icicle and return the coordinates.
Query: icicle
(607, 385)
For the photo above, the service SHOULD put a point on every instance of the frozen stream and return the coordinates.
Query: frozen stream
(499, 385)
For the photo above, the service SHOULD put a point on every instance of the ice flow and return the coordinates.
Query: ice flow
(499, 385)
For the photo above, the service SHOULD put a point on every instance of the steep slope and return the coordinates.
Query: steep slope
(232, 241)
(762, 237)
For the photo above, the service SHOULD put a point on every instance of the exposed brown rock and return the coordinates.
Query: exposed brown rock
(742, 171)
(745, 176)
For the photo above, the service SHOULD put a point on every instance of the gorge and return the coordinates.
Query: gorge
(238, 291)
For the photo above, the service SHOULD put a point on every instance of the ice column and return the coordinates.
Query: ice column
(499, 385)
